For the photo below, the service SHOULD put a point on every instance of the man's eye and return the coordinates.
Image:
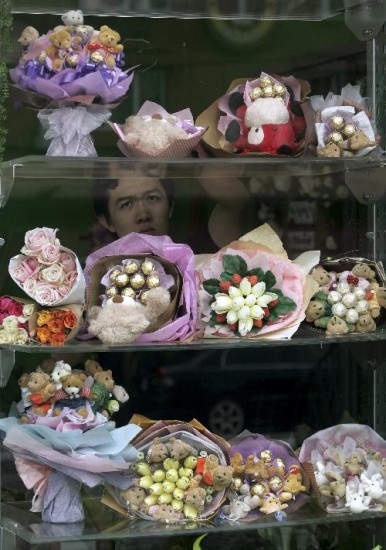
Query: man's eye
(153, 198)
(125, 204)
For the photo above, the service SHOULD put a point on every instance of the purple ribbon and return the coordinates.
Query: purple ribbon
(108, 76)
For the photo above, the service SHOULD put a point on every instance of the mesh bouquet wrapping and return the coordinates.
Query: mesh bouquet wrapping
(153, 132)
(268, 479)
(73, 75)
(172, 268)
(347, 465)
(182, 473)
(46, 271)
(251, 289)
(343, 125)
(268, 115)
(351, 296)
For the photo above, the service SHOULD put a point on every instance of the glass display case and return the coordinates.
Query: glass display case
(186, 53)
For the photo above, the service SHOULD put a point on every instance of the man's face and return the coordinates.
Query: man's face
(139, 205)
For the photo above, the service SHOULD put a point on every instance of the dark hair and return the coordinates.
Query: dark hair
(100, 194)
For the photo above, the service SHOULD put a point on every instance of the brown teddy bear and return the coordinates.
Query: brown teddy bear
(165, 512)
(222, 477)
(73, 394)
(60, 44)
(336, 326)
(315, 310)
(359, 141)
(106, 44)
(256, 470)
(271, 504)
(178, 449)
(237, 463)
(293, 485)
(42, 392)
(330, 150)
(101, 391)
(27, 37)
(91, 367)
(361, 269)
(158, 451)
(196, 497)
(134, 497)
(321, 276)
(365, 323)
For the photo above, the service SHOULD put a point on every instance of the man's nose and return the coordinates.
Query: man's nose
(143, 212)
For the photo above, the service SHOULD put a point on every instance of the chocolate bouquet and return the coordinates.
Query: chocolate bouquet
(268, 479)
(267, 115)
(347, 467)
(182, 473)
(73, 75)
(61, 437)
(342, 123)
(142, 288)
(153, 132)
(251, 289)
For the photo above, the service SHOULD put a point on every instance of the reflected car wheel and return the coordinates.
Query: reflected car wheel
(226, 418)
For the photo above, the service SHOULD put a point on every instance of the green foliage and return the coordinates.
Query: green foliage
(5, 34)
(234, 264)
(212, 286)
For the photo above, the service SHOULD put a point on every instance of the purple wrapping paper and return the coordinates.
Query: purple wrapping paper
(183, 326)
(62, 501)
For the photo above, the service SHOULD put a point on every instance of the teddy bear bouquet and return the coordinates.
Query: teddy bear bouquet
(182, 473)
(141, 288)
(251, 289)
(347, 465)
(51, 275)
(267, 115)
(267, 479)
(342, 123)
(61, 437)
(73, 75)
(153, 132)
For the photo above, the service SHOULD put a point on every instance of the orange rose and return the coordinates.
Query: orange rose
(57, 339)
(56, 325)
(70, 319)
(43, 335)
(43, 317)
(58, 313)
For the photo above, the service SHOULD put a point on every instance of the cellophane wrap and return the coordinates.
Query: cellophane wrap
(192, 433)
(56, 455)
(182, 324)
(263, 249)
(347, 468)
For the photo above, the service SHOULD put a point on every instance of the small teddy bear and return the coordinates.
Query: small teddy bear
(123, 319)
(72, 395)
(321, 276)
(179, 449)
(25, 402)
(134, 497)
(293, 485)
(222, 477)
(331, 149)
(315, 310)
(165, 512)
(365, 324)
(101, 391)
(196, 497)
(271, 504)
(42, 392)
(359, 141)
(91, 367)
(27, 37)
(106, 43)
(60, 44)
(256, 470)
(237, 463)
(61, 369)
(362, 269)
(158, 451)
(336, 326)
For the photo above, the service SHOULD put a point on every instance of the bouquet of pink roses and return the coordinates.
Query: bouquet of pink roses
(49, 273)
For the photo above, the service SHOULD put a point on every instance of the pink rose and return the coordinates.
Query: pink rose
(5, 303)
(25, 269)
(16, 308)
(30, 286)
(46, 294)
(36, 238)
(67, 261)
(63, 290)
(54, 274)
(71, 278)
(49, 254)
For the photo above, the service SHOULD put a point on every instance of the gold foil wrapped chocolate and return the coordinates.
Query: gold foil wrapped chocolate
(113, 274)
(128, 292)
(335, 137)
(279, 89)
(349, 129)
(112, 291)
(258, 489)
(337, 122)
(153, 281)
(143, 297)
(130, 268)
(265, 81)
(266, 455)
(268, 91)
(41, 58)
(275, 483)
(122, 280)
(147, 267)
(236, 483)
(96, 57)
(137, 281)
(255, 93)
(72, 60)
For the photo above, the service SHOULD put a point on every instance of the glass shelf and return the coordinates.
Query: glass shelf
(230, 9)
(364, 176)
(102, 523)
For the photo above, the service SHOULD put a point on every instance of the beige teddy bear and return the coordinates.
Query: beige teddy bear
(271, 504)
(196, 497)
(134, 497)
(315, 310)
(42, 392)
(336, 326)
(60, 44)
(329, 150)
(106, 44)
(365, 323)
(359, 141)
(28, 36)
(321, 276)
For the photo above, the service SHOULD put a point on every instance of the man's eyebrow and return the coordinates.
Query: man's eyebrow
(136, 197)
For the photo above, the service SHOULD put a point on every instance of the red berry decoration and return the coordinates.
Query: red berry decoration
(224, 286)
(236, 279)
(258, 323)
(221, 318)
(253, 279)
(352, 280)
(232, 326)
(266, 312)
(273, 303)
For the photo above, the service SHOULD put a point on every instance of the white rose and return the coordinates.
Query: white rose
(20, 336)
(238, 302)
(234, 292)
(54, 274)
(5, 337)
(264, 300)
(250, 300)
(222, 304)
(257, 312)
(245, 326)
(259, 289)
(244, 312)
(232, 317)
(10, 323)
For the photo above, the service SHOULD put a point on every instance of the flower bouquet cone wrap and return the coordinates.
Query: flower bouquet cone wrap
(182, 473)
(73, 75)
(16, 320)
(155, 133)
(268, 479)
(251, 289)
(173, 266)
(46, 271)
(347, 467)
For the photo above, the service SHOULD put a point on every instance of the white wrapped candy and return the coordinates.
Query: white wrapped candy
(334, 297)
(359, 293)
(339, 309)
(352, 316)
(343, 287)
(349, 300)
(362, 306)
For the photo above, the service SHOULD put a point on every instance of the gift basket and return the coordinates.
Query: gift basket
(347, 467)
(182, 473)
(141, 287)
(350, 296)
(268, 115)
(62, 438)
(342, 124)
(73, 75)
(250, 288)
(268, 479)
(153, 132)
